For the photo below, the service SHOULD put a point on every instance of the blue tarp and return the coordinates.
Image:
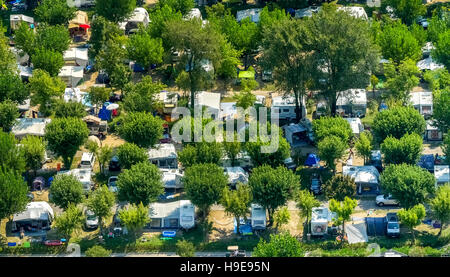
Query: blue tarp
(427, 162)
(138, 68)
(104, 114)
(245, 228)
(312, 160)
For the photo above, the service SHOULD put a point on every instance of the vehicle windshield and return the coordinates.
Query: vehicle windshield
(91, 217)
(393, 226)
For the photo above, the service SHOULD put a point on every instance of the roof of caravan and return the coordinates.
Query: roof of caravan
(258, 211)
(362, 174)
(72, 71)
(358, 12)
(422, 98)
(82, 174)
(171, 178)
(442, 173)
(30, 126)
(283, 101)
(139, 15)
(320, 214)
(169, 209)
(165, 150)
(354, 96)
(76, 53)
(252, 13)
(208, 99)
(355, 124)
(21, 17)
(39, 210)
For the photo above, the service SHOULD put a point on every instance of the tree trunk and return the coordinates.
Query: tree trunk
(333, 103)
(100, 225)
(298, 106)
(270, 217)
(191, 80)
(238, 224)
(440, 229)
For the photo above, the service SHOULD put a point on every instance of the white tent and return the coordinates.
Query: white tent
(76, 56)
(71, 75)
(357, 12)
(30, 126)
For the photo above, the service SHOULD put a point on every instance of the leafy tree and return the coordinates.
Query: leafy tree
(202, 152)
(412, 217)
(102, 30)
(13, 196)
(48, 60)
(33, 148)
(438, 79)
(400, 80)
(232, 148)
(405, 150)
(344, 50)
(269, 18)
(364, 146)
(12, 87)
(245, 99)
(134, 218)
(332, 126)
(440, 206)
(11, 155)
(115, 11)
(343, 210)
(226, 67)
(100, 202)
(437, 26)
(44, 88)
(120, 76)
(331, 149)
(406, 10)
(374, 82)
(98, 95)
(159, 18)
(66, 190)
(130, 154)
(56, 38)
(441, 109)
(398, 43)
(25, 38)
(54, 12)
(409, 184)
(97, 251)
(185, 248)
(69, 221)
(272, 187)
(65, 136)
(446, 147)
(397, 122)
(8, 114)
(69, 109)
(305, 203)
(237, 202)
(105, 154)
(281, 217)
(142, 96)
(183, 6)
(442, 53)
(419, 33)
(279, 245)
(204, 185)
(144, 49)
(141, 128)
(339, 187)
(7, 58)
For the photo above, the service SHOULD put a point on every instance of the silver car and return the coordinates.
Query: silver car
(385, 199)
(91, 220)
(112, 183)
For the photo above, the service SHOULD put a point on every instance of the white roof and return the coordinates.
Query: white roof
(258, 211)
(25, 106)
(30, 126)
(362, 174)
(71, 71)
(283, 101)
(320, 214)
(165, 150)
(352, 96)
(171, 178)
(75, 95)
(357, 12)
(306, 12)
(252, 13)
(428, 47)
(236, 174)
(170, 209)
(373, 3)
(86, 156)
(76, 54)
(442, 173)
(25, 70)
(294, 128)
(39, 210)
(21, 17)
(228, 110)
(430, 125)
(208, 99)
(428, 64)
(167, 97)
(139, 15)
(422, 98)
(355, 124)
(83, 175)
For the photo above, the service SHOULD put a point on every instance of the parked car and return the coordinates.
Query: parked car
(385, 199)
(91, 222)
(289, 164)
(114, 164)
(392, 226)
(53, 243)
(316, 184)
(87, 160)
(103, 78)
(112, 183)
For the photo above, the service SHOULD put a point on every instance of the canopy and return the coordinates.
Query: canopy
(104, 114)
(312, 160)
(85, 26)
(247, 74)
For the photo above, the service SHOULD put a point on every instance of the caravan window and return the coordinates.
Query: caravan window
(258, 222)
(163, 163)
(155, 162)
(171, 222)
(285, 110)
(186, 219)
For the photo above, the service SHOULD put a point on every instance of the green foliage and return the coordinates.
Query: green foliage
(134, 218)
(272, 187)
(66, 190)
(159, 18)
(397, 122)
(440, 205)
(419, 33)
(364, 145)
(185, 248)
(409, 184)
(65, 136)
(446, 147)
(437, 25)
(115, 11)
(69, 109)
(280, 245)
(98, 95)
(441, 109)
(237, 202)
(183, 6)
(69, 221)
(97, 251)
(442, 53)
(204, 185)
(130, 154)
(142, 183)
(202, 152)
(54, 38)
(11, 155)
(305, 203)
(8, 114)
(144, 49)
(13, 196)
(398, 43)
(142, 96)
(141, 128)
(332, 126)
(339, 187)
(232, 148)
(102, 30)
(404, 150)
(331, 149)
(281, 217)
(412, 217)
(43, 88)
(104, 155)
(11, 87)
(343, 210)
(33, 148)
(48, 60)
(100, 202)
(54, 12)
(406, 10)
(400, 80)
(25, 38)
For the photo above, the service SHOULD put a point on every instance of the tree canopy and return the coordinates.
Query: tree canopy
(115, 11)
(54, 12)
(141, 128)
(407, 149)
(13, 196)
(130, 154)
(279, 245)
(66, 190)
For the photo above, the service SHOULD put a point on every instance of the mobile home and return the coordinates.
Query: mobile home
(172, 215)
(83, 175)
(76, 57)
(367, 178)
(210, 100)
(283, 108)
(320, 217)
(71, 75)
(423, 102)
(352, 102)
(164, 156)
(30, 126)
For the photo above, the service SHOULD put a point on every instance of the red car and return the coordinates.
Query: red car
(53, 242)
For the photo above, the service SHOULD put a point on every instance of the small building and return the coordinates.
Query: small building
(253, 14)
(84, 175)
(172, 215)
(139, 17)
(78, 26)
(236, 174)
(295, 134)
(71, 75)
(171, 178)
(357, 12)
(423, 102)
(30, 126)
(442, 174)
(356, 125)
(367, 178)
(283, 108)
(80, 3)
(210, 100)
(76, 57)
(164, 156)
(352, 102)
(432, 133)
(37, 216)
(259, 217)
(16, 19)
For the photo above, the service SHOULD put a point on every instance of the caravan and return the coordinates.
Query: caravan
(320, 217)
(259, 217)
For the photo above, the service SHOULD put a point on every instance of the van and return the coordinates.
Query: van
(87, 160)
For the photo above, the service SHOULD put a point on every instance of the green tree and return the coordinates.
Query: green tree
(66, 190)
(144, 49)
(185, 248)
(331, 148)
(441, 109)
(438, 24)
(438, 79)
(102, 30)
(13, 196)
(56, 38)
(44, 88)
(142, 96)
(412, 217)
(130, 154)
(398, 43)
(25, 38)
(115, 11)
(374, 82)
(440, 206)
(272, 187)
(69, 221)
(33, 148)
(364, 146)
(442, 53)
(159, 18)
(105, 154)
(446, 147)
(407, 150)
(409, 184)
(305, 203)
(419, 33)
(11, 155)
(279, 245)
(183, 6)
(281, 217)
(204, 185)
(397, 122)
(12, 87)
(98, 95)
(339, 187)
(8, 114)
(202, 152)
(48, 60)
(65, 136)
(332, 126)
(63, 109)
(100, 202)
(141, 128)
(232, 148)
(142, 183)
(97, 251)
(134, 218)
(237, 202)
(400, 80)
(245, 99)
(406, 10)
(343, 210)
(54, 12)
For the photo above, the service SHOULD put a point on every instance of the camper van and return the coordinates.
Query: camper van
(259, 217)
(83, 175)
(87, 160)
(320, 218)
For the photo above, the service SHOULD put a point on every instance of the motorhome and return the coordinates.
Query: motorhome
(259, 217)
(84, 175)
(352, 102)
(163, 156)
(283, 108)
(138, 17)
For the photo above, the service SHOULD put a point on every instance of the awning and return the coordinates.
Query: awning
(85, 26)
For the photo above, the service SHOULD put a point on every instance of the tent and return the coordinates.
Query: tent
(104, 114)
(376, 226)
(312, 160)
(247, 74)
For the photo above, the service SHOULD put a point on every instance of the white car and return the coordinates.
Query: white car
(87, 160)
(91, 220)
(385, 199)
(112, 185)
